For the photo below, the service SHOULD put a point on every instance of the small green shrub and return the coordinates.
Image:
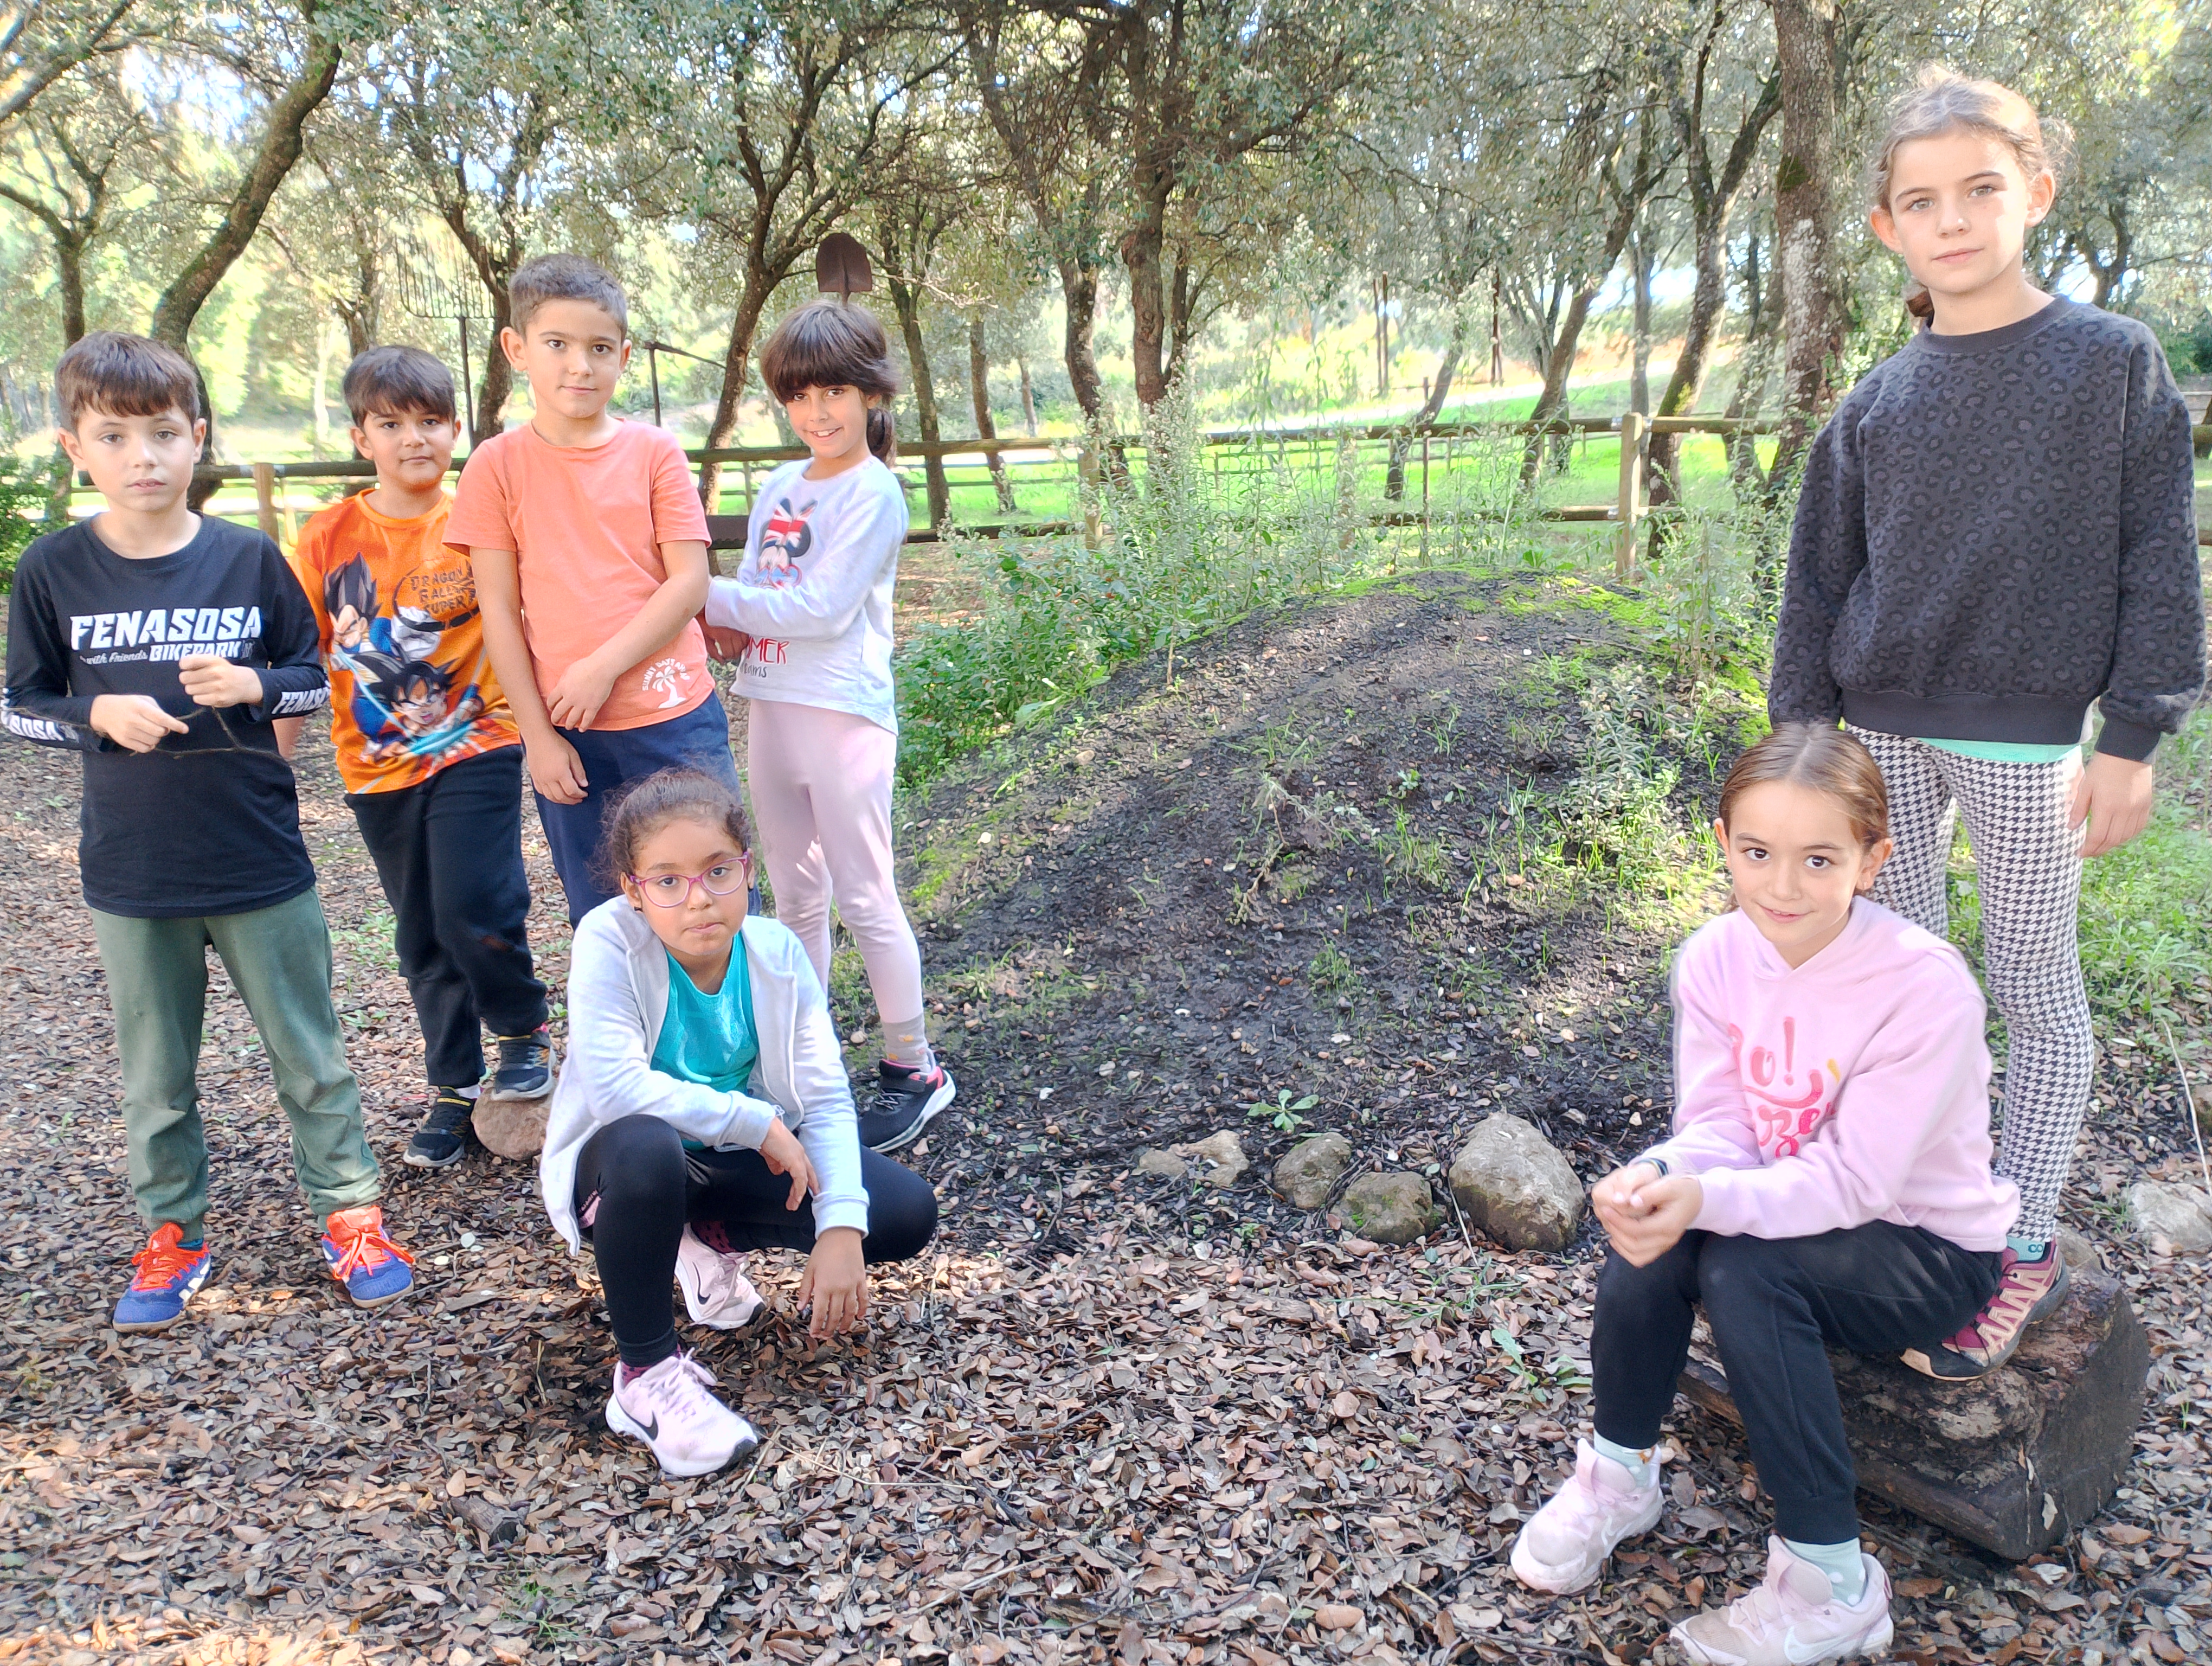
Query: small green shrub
(27, 490)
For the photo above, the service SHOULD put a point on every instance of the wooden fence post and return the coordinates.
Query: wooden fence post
(265, 498)
(1631, 508)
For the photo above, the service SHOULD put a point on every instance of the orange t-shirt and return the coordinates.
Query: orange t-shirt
(587, 524)
(411, 688)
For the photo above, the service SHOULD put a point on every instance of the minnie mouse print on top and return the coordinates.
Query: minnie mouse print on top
(821, 575)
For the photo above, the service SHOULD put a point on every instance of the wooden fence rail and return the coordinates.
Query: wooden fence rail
(1626, 511)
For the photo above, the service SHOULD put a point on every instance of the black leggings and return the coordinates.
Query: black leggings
(1774, 1305)
(637, 1186)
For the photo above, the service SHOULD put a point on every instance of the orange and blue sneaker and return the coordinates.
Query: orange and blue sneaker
(168, 1273)
(372, 1269)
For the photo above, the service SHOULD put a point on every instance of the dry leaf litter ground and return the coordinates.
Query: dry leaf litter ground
(1114, 1417)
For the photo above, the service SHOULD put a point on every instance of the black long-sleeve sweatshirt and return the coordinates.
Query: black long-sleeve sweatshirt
(1997, 530)
(209, 822)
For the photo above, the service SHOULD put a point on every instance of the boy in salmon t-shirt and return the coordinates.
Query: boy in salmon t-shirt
(427, 747)
(590, 550)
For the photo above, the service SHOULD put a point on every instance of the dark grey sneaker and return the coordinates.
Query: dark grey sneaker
(444, 1137)
(904, 1102)
(525, 1066)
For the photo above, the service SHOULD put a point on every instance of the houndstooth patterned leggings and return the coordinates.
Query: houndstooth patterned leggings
(2028, 866)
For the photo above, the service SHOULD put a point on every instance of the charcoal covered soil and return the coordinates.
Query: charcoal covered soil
(1112, 1416)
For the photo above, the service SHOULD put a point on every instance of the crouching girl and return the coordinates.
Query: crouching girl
(1827, 1182)
(704, 1111)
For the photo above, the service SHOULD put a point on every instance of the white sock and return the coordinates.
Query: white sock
(1846, 1572)
(1642, 1466)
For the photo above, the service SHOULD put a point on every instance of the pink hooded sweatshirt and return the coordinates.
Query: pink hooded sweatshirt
(1850, 1088)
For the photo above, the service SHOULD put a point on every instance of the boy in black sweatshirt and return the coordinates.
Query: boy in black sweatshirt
(162, 644)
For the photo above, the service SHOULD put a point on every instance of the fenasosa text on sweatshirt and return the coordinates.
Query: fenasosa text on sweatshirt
(1853, 1088)
(820, 626)
(209, 822)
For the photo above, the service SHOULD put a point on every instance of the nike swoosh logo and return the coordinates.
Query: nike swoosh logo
(653, 1430)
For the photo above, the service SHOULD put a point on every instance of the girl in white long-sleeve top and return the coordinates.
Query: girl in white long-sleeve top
(701, 1107)
(811, 605)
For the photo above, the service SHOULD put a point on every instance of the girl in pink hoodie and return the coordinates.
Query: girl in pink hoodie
(1827, 1182)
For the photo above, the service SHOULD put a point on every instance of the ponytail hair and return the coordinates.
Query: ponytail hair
(830, 342)
(1940, 101)
(647, 806)
(1823, 759)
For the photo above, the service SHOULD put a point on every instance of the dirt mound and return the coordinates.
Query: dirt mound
(1360, 850)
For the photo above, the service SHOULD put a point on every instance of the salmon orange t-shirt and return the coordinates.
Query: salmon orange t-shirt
(411, 688)
(587, 524)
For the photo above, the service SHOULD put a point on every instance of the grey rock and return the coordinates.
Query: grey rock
(2177, 1216)
(1516, 1186)
(1223, 1153)
(1390, 1208)
(1163, 1164)
(2078, 1253)
(1309, 1173)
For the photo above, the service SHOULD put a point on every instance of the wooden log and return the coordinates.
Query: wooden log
(2012, 1462)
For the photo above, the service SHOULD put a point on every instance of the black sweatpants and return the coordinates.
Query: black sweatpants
(637, 1188)
(448, 852)
(1775, 1305)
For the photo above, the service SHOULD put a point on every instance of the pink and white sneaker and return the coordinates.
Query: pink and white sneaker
(667, 1407)
(1792, 1619)
(1566, 1542)
(716, 1291)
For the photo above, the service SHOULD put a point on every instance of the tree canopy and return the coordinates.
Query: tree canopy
(275, 182)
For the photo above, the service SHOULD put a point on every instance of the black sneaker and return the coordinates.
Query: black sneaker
(525, 1066)
(905, 1100)
(446, 1134)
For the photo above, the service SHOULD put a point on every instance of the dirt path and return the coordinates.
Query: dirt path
(1115, 1417)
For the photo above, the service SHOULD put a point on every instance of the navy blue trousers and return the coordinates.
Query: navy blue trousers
(1776, 1305)
(700, 740)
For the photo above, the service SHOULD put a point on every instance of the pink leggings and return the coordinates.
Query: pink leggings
(821, 784)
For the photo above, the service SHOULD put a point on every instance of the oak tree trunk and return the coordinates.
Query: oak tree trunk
(906, 301)
(978, 391)
(1551, 402)
(1712, 198)
(1393, 487)
(283, 139)
(1807, 34)
(752, 301)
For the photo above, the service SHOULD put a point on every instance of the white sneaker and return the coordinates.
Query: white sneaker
(1566, 1542)
(668, 1408)
(715, 1287)
(1791, 1620)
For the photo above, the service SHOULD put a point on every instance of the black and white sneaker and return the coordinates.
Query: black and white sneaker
(446, 1134)
(905, 1101)
(525, 1066)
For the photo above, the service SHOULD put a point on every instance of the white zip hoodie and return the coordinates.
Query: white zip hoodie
(617, 997)
(822, 626)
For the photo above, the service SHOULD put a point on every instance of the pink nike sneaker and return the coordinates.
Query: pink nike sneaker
(667, 1407)
(1566, 1542)
(1792, 1619)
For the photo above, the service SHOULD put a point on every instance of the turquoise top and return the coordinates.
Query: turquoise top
(2003, 751)
(709, 1039)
